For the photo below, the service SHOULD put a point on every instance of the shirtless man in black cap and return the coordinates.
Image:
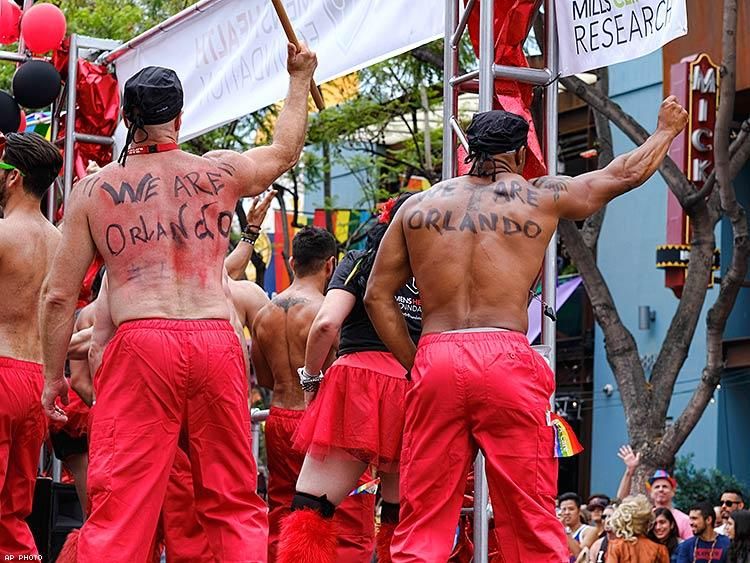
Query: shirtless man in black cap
(174, 370)
(475, 245)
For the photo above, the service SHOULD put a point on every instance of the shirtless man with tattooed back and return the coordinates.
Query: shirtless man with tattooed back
(174, 370)
(475, 245)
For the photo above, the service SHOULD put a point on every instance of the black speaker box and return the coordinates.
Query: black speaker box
(56, 511)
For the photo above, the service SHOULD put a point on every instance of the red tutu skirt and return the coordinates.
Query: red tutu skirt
(358, 412)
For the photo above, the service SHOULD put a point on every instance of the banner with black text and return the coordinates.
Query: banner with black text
(231, 58)
(599, 33)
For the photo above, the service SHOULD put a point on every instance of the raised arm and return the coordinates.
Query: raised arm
(577, 198)
(259, 167)
(59, 296)
(631, 461)
(236, 262)
(389, 273)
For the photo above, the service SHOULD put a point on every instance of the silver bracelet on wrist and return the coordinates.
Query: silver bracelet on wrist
(309, 382)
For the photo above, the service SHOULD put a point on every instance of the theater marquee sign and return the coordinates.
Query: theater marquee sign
(695, 82)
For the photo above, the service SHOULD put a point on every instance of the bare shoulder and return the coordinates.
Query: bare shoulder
(248, 291)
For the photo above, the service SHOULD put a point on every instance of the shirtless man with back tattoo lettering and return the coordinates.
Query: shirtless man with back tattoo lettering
(280, 333)
(475, 245)
(161, 218)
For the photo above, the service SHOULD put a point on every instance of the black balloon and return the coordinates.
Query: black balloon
(36, 84)
(10, 114)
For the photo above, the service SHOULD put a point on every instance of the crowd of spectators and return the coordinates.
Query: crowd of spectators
(650, 529)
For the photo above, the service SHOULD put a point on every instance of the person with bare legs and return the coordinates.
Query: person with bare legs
(356, 419)
(280, 334)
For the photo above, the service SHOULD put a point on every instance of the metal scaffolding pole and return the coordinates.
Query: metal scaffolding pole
(549, 279)
(486, 98)
(450, 100)
(52, 192)
(487, 73)
(70, 117)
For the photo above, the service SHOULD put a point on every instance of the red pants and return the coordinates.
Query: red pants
(22, 430)
(485, 390)
(354, 518)
(161, 379)
(183, 536)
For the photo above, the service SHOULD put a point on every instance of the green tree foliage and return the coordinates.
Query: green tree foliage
(391, 97)
(696, 485)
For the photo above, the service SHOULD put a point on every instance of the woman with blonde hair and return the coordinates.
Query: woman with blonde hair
(630, 522)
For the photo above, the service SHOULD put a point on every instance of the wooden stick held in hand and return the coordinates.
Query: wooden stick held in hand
(289, 30)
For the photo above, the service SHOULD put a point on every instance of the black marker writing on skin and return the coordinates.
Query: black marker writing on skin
(118, 236)
(145, 190)
(441, 222)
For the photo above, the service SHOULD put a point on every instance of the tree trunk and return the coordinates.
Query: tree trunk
(327, 197)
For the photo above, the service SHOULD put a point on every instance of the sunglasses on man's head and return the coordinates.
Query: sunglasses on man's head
(729, 503)
(6, 166)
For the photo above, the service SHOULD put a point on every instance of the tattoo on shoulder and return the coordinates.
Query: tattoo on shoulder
(555, 184)
(287, 303)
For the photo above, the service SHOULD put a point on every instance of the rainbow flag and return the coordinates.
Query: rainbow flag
(566, 442)
(369, 488)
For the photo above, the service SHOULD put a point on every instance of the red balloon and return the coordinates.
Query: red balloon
(22, 127)
(43, 28)
(10, 22)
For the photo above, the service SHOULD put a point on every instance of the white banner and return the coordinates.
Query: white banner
(231, 58)
(599, 33)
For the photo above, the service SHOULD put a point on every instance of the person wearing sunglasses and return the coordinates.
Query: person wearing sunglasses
(731, 501)
(28, 166)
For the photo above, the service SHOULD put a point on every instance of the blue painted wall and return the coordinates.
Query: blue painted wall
(738, 324)
(346, 188)
(634, 225)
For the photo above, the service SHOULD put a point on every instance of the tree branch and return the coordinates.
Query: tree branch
(676, 344)
(735, 275)
(739, 153)
(593, 225)
(426, 55)
(622, 352)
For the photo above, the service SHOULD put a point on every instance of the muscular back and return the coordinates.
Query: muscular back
(279, 337)
(162, 225)
(475, 247)
(27, 246)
